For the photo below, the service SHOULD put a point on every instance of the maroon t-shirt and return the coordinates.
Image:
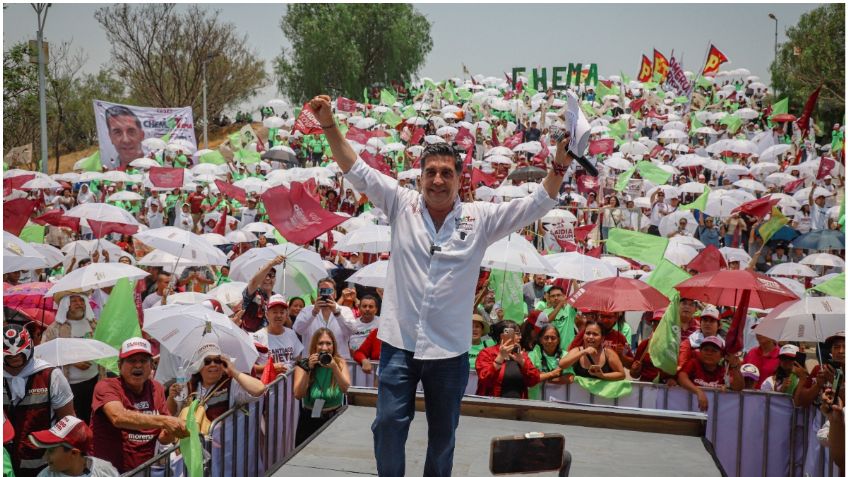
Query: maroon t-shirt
(195, 202)
(125, 449)
(701, 377)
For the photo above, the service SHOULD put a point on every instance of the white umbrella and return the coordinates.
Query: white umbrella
(182, 243)
(297, 275)
(19, 255)
(94, 276)
(791, 270)
(578, 266)
(673, 135)
(733, 254)
(533, 147)
(670, 222)
(688, 240)
(103, 213)
(447, 131)
(159, 258)
(780, 178)
(241, 236)
(750, 184)
(498, 159)
(746, 113)
(793, 285)
(803, 194)
(204, 168)
(689, 160)
(678, 147)
(39, 183)
(118, 176)
(273, 122)
(558, 215)
(215, 239)
(71, 177)
(252, 184)
(762, 169)
(373, 275)
(183, 329)
(258, 227)
(432, 139)
(80, 249)
(368, 239)
(64, 351)
(144, 163)
(124, 195)
(617, 262)
(772, 153)
(807, 319)
(823, 259)
(634, 148)
(499, 150)
(153, 144)
(617, 163)
(679, 254)
(514, 253)
(229, 293)
(721, 206)
(692, 188)
(52, 255)
(192, 298)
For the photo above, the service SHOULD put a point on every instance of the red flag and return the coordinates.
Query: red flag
(16, 214)
(714, 59)
(757, 207)
(346, 105)
(478, 176)
(57, 218)
(101, 229)
(708, 260)
(566, 245)
(660, 65)
(793, 186)
(269, 374)
(508, 79)
(587, 183)
(465, 140)
(167, 177)
(736, 334)
(375, 162)
(15, 183)
(655, 151)
(646, 70)
(230, 190)
(221, 226)
(514, 140)
(311, 188)
(357, 135)
(601, 146)
(417, 135)
(539, 159)
(495, 140)
(825, 166)
(298, 217)
(593, 252)
(582, 232)
(607, 83)
(636, 105)
(307, 123)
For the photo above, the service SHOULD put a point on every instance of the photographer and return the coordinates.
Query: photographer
(320, 382)
(326, 313)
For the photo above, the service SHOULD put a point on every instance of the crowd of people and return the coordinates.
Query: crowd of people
(656, 156)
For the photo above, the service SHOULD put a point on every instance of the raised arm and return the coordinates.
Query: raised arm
(342, 152)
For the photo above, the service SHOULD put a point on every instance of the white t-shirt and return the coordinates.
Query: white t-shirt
(248, 216)
(361, 332)
(285, 347)
(60, 390)
(152, 300)
(659, 210)
(819, 217)
(155, 219)
(81, 329)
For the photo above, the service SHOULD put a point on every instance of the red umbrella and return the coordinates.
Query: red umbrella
(617, 294)
(29, 298)
(783, 118)
(737, 288)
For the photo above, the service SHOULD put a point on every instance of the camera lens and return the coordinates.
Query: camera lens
(325, 358)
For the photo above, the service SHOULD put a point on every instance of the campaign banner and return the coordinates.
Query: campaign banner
(122, 128)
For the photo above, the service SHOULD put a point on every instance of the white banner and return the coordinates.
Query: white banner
(122, 128)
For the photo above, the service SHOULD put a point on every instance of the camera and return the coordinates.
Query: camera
(325, 358)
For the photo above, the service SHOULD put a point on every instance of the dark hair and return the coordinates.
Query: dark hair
(165, 273)
(593, 322)
(117, 111)
(528, 341)
(442, 149)
(294, 299)
(556, 287)
(327, 280)
(369, 297)
(500, 327)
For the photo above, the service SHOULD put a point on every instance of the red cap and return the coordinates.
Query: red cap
(69, 430)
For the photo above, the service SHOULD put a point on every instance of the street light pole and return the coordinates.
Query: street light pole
(209, 57)
(41, 12)
(771, 15)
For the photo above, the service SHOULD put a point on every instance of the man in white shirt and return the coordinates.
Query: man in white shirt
(326, 313)
(659, 209)
(249, 213)
(154, 216)
(438, 244)
(818, 211)
(368, 320)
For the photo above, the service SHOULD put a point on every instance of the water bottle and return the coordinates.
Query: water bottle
(182, 380)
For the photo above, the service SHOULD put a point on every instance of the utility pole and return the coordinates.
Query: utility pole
(41, 12)
(209, 57)
(771, 15)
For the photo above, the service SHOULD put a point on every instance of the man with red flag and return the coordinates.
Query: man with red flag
(442, 236)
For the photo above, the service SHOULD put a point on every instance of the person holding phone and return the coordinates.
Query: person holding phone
(788, 374)
(505, 370)
(326, 313)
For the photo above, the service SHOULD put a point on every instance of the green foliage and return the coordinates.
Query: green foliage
(819, 41)
(339, 49)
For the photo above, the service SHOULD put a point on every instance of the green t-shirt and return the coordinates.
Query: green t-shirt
(564, 323)
(180, 161)
(322, 388)
(474, 350)
(545, 363)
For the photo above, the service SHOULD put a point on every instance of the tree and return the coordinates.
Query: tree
(342, 48)
(160, 54)
(20, 98)
(814, 55)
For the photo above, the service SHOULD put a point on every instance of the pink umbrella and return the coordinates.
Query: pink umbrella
(30, 299)
(617, 294)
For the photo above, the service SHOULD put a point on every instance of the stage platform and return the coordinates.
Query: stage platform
(602, 440)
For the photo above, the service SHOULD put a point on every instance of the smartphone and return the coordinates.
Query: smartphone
(325, 293)
(510, 333)
(533, 452)
(801, 359)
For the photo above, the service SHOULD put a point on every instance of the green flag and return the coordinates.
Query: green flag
(392, 119)
(213, 157)
(694, 124)
(733, 123)
(32, 234)
(604, 91)
(235, 141)
(464, 94)
(618, 128)
(91, 163)
(837, 141)
(780, 107)
(605, 389)
(508, 292)
(702, 82)
(190, 446)
(666, 276)
(650, 171)
(642, 247)
(773, 224)
(588, 110)
(387, 98)
(428, 84)
(409, 112)
(625, 80)
(624, 179)
(665, 341)
(700, 203)
(450, 93)
(118, 321)
(247, 157)
(833, 287)
(842, 215)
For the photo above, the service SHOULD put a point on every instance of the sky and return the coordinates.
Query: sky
(492, 38)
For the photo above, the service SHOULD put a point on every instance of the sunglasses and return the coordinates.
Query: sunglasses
(209, 360)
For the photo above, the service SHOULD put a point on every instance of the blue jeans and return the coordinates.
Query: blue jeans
(444, 383)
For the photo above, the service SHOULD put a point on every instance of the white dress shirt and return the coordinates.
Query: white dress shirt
(342, 327)
(428, 302)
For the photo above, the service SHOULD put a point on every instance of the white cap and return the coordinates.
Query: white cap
(277, 299)
(134, 346)
(710, 310)
(788, 350)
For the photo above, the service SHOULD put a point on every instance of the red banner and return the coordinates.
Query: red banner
(232, 191)
(636, 105)
(804, 121)
(793, 186)
(478, 176)
(307, 123)
(376, 162)
(825, 166)
(167, 177)
(514, 140)
(57, 218)
(707, 260)
(758, 207)
(587, 183)
(101, 229)
(298, 217)
(357, 135)
(417, 135)
(346, 105)
(15, 183)
(646, 70)
(601, 146)
(16, 214)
